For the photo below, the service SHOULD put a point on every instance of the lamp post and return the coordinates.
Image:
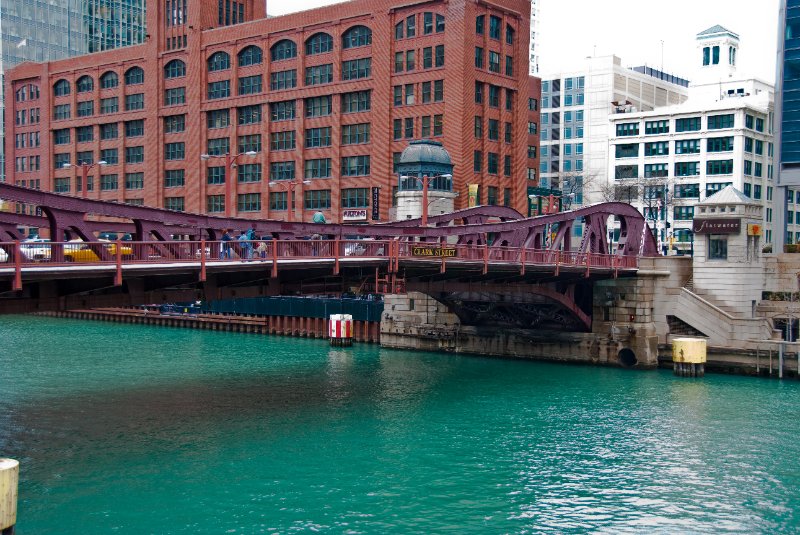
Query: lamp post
(84, 167)
(425, 181)
(289, 186)
(230, 164)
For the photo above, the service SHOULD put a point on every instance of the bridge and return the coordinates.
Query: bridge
(466, 258)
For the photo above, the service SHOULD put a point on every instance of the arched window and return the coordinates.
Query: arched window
(250, 55)
(109, 80)
(284, 49)
(319, 43)
(61, 88)
(219, 61)
(134, 76)
(175, 69)
(84, 84)
(357, 36)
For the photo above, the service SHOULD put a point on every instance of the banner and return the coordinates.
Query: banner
(473, 195)
(357, 214)
(434, 251)
(376, 204)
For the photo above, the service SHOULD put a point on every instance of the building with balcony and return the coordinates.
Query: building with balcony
(221, 106)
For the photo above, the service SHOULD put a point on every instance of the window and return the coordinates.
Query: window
(493, 129)
(630, 150)
(491, 196)
(134, 180)
(409, 127)
(748, 168)
(175, 69)
(477, 161)
(250, 55)
(656, 127)
(478, 92)
(61, 88)
(61, 111)
(494, 96)
(531, 151)
(409, 60)
(747, 189)
(278, 200)
(683, 213)
(219, 61)
(174, 203)
(759, 147)
(84, 134)
(759, 124)
(687, 191)
(215, 203)
(509, 66)
(175, 151)
(281, 171)
(355, 198)
(492, 163)
(397, 129)
(439, 56)
(409, 92)
(174, 178)
(218, 119)
(398, 30)
(479, 22)
(687, 146)
(317, 199)
(356, 68)
(174, 124)
(318, 106)
(215, 175)
(175, 96)
(717, 245)
(283, 80)
(318, 137)
(748, 144)
(627, 129)
(720, 144)
(717, 122)
(427, 57)
(659, 148)
(282, 111)
(355, 165)
(319, 74)
(318, 168)
(61, 137)
(532, 129)
(719, 167)
(757, 171)
(284, 49)
(220, 89)
(478, 57)
(426, 126)
(250, 114)
(249, 143)
(748, 121)
(494, 61)
(687, 168)
(509, 35)
(249, 85)
(357, 36)
(494, 27)
(656, 170)
(507, 165)
(134, 76)
(84, 84)
(715, 55)
(61, 185)
(249, 172)
(219, 146)
(411, 26)
(356, 102)
(319, 43)
(109, 80)
(283, 140)
(108, 131)
(355, 134)
(134, 154)
(626, 171)
(134, 102)
(86, 108)
(478, 128)
(109, 105)
(134, 128)
(427, 23)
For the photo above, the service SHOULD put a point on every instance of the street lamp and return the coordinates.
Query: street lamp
(425, 180)
(85, 167)
(289, 186)
(230, 164)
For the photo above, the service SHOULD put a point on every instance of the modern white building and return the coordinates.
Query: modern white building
(575, 109)
(668, 160)
(534, 52)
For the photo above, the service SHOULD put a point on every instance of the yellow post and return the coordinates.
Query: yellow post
(689, 356)
(9, 481)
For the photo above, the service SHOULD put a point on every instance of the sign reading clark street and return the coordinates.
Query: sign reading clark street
(717, 226)
(433, 251)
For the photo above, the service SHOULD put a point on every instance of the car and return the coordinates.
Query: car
(79, 251)
(36, 249)
(112, 236)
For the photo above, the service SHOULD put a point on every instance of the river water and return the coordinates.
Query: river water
(135, 429)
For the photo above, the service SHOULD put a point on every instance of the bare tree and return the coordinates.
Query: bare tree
(574, 185)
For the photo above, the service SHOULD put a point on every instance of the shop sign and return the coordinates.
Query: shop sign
(376, 204)
(717, 226)
(449, 252)
(359, 214)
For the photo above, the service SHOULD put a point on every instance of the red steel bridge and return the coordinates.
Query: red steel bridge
(466, 258)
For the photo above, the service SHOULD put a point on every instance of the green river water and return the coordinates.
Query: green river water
(129, 429)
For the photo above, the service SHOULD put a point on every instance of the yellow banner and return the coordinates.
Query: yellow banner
(473, 195)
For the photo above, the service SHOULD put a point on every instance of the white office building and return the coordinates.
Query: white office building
(668, 160)
(575, 109)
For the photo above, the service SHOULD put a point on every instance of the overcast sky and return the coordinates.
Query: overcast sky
(634, 29)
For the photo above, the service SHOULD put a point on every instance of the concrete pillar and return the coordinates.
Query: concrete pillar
(9, 481)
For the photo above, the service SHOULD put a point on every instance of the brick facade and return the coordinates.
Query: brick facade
(174, 131)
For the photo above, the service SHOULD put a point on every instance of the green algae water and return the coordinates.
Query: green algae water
(131, 429)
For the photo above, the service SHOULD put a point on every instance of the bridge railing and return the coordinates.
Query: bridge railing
(129, 252)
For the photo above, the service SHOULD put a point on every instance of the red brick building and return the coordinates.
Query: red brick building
(327, 99)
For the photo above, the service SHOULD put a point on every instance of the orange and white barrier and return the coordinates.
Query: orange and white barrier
(340, 329)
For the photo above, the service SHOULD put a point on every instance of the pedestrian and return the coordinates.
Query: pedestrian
(245, 245)
(225, 250)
